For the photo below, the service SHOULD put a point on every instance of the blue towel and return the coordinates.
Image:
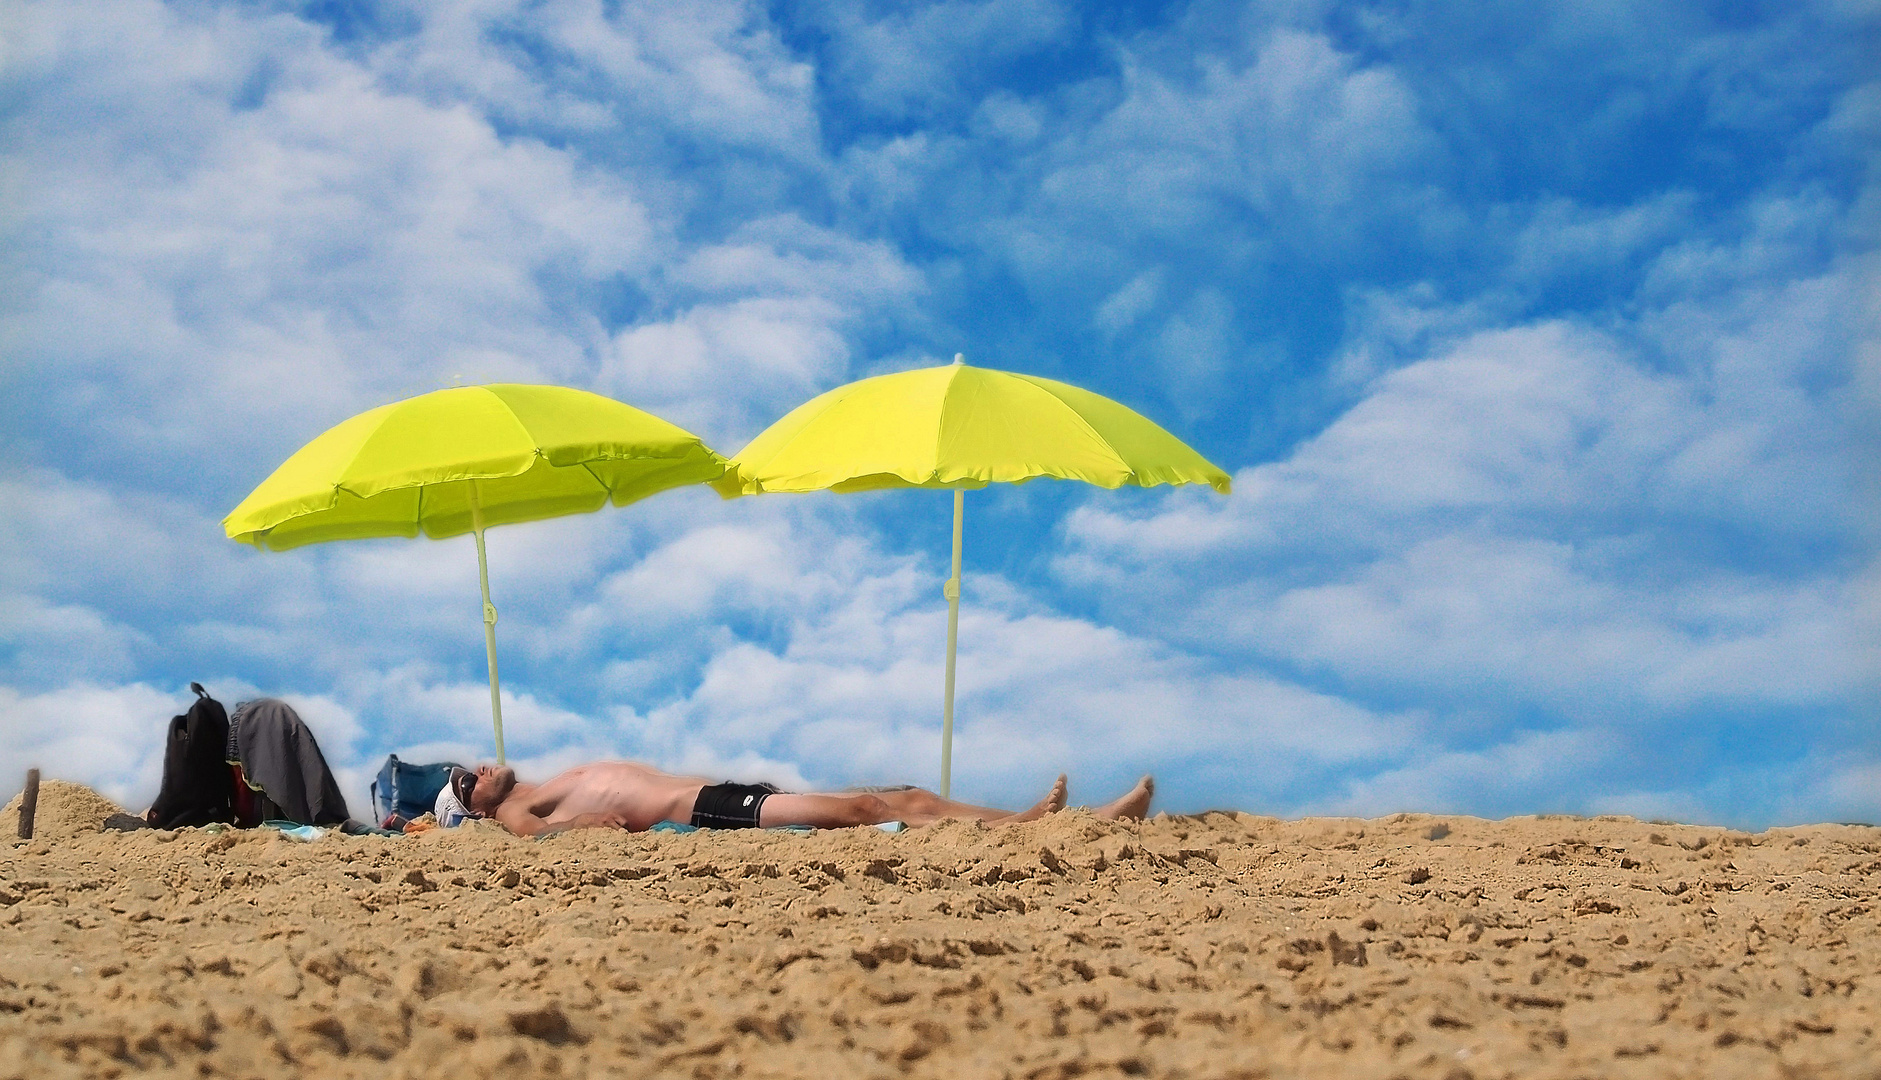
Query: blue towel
(677, 827)
(295, 830)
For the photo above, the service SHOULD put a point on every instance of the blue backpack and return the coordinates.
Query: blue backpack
(407, 791)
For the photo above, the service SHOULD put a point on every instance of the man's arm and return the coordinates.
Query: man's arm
(585, 821)
(523, 823)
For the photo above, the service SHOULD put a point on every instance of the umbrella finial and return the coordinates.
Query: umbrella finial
(960, 358)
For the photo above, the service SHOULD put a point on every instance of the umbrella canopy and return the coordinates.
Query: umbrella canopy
(960, 427)
(523, 452)
(459, 460)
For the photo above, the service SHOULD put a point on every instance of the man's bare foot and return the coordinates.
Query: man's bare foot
(1134, 804)
(1053, 802)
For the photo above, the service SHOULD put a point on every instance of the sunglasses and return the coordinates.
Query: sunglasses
(463, 782)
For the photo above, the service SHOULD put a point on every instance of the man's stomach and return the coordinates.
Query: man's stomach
(640, 805)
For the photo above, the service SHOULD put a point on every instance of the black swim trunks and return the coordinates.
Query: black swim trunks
(730, 806)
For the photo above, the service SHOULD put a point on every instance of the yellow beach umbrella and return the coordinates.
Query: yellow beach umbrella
(960, 427)
(459, 460)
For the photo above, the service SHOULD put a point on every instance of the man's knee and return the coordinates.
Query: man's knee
(865, 810)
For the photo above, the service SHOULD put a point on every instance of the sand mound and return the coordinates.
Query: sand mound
(65, 810)
(1220, 945)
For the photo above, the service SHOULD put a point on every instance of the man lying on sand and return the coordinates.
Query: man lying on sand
(627, 795)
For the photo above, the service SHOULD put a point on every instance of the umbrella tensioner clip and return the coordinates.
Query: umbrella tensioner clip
(950, 589)
(489, 614)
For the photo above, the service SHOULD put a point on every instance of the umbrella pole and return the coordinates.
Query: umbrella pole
(952, 592)
(489, 619)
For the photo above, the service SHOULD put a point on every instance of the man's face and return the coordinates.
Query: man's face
(493, 786)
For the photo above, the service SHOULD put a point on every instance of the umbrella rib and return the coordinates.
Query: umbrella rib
(940, 424)
(1087, 426)
(588, 467)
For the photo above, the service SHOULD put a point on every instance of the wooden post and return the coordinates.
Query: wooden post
(29, 802)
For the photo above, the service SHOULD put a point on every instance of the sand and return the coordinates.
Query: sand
(1223, 945)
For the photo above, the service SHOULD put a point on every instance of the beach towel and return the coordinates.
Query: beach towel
(684, 827)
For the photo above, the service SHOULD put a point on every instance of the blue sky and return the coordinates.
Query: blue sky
(1541, 340)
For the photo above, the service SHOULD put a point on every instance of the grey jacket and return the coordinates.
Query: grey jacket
(279, 757)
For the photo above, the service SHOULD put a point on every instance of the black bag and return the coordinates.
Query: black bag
(197, 785)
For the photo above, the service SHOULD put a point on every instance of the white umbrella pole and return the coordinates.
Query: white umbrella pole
(489, 619)
(952, 592)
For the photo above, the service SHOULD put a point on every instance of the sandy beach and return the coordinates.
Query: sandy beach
(1222, 945)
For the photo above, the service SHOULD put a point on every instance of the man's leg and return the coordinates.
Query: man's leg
(823, 811)
(914, 806)
(917, 806)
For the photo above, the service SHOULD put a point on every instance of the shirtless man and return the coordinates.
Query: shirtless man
(626, 795)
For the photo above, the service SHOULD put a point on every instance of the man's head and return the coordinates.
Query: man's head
(492, 786)
(474, 794)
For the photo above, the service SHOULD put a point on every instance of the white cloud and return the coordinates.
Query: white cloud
(99, 582)
(1541, 622)
(773, 350)
(1529, 421)
(855, 698)
(275, 230)
(776, 304)
(52, 643)
(1564, 239)
(914, 62)
(109, 738)
(1844, 787)
(1521, 775)
(1527, 523)
(325, 247)
(713, 72)
(1196, 351)
(1130, 302)
(425, 710)
(1296, 131)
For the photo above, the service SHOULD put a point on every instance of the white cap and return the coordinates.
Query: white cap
(450, 807)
